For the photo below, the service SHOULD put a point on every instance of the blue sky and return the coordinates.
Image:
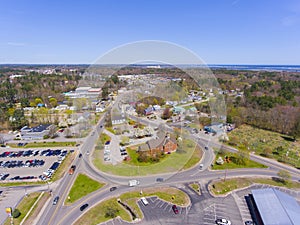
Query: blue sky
(218, 31)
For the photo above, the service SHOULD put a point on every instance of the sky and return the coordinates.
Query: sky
(218, 31)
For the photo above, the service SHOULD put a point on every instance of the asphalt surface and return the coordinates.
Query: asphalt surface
(203, 210)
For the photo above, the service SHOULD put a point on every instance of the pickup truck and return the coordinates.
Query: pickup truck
(133, 183)
(72, 169)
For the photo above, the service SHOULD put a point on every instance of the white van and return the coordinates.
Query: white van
(144, 201)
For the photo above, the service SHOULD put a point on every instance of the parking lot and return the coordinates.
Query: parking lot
(158, 209)
(29, 164)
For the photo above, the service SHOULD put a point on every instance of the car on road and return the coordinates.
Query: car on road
(175, 209)
(249, 222)
(55, 200)
(80, 155)
(206, 147)
(72, 169)
(159, 179)
(83, 207)
(223, 222)
(113, 188)
(1, 192)
(201, 166)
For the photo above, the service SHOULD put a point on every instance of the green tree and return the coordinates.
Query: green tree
(18, 119)
(38, 101)
(24, 102)
(16, 213)
(104, 92)
(111, 212)
(53, 102)
(243, 157)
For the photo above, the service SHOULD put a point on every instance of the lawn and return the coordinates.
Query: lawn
(45, 144)
(169, 163)
(101, 141)
(266, 143)
(223, 187)
(8, 184)
(96, 215)
(233, 162)
(82, 186)
(195, 187)
(24, 206)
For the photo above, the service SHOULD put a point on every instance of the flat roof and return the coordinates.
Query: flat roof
(276, 207)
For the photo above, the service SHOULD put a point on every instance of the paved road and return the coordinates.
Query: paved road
(60, 214)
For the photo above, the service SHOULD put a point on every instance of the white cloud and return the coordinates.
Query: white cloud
(17, 44)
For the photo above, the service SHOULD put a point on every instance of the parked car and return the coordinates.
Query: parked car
(83, 207)
(144, 201)
(175, 209)
(249, 222)
(80, 155)
(223, 222)
(113, 188)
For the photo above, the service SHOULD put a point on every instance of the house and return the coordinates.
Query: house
(35, 133)
(215, 128)
(163, 143)
(117, 119)
(148, 110)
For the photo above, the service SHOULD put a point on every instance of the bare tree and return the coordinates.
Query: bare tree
(2, 140)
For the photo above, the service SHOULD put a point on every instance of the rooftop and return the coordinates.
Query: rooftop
(276, 207)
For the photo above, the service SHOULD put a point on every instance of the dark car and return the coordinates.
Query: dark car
(83, 207)
(80, 155)
(175, 209)
(55, 200)
(113, 188)
(159, 179)
(206, 147)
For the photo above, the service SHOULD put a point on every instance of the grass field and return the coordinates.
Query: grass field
(24, 206)
(266, 143)
(170, 163)
(195, 187)
(82, 186)
(8, 184)
(223, 187)
(232, 162)
(45, 144)
(96, 215)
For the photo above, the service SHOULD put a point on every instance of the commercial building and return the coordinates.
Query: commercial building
(273, 207)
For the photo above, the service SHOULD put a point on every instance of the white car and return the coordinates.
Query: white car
(223, 222)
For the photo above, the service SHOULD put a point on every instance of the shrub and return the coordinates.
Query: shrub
(16, 213)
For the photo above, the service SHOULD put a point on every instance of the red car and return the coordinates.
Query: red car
(175, 209)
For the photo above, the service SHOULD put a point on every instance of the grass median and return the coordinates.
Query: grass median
(222, 187)
(25, 205)
(82, 186)
(45, 144)
(110, 208)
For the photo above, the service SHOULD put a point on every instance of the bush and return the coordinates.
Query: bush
(111, 212)
(16, 213)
